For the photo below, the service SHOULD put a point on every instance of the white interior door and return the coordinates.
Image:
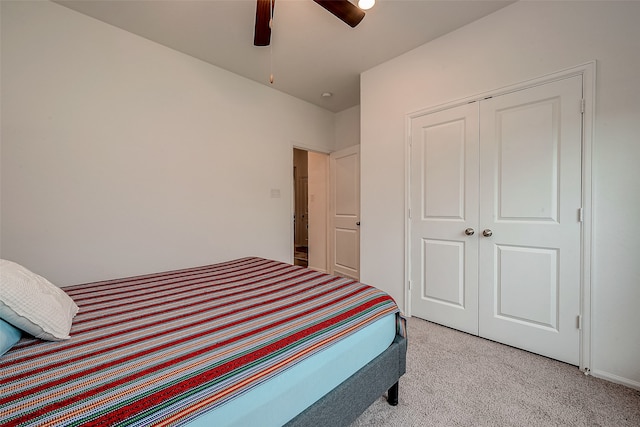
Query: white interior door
(444, 203)
(530, 196)
(344, 208)
(507, 168)
(318, 168)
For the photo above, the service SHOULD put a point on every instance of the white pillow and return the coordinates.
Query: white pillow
(31, 303)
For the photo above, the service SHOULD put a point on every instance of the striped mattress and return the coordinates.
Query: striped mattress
(162, 349)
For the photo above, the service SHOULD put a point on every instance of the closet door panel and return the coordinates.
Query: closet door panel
(527, 138)
(530, 193)
(444, 203)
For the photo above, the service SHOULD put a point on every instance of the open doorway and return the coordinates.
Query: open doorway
(310, 189)
(301, 207)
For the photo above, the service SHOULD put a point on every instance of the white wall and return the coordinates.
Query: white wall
(520, 42)
(348, 128)
(120, 156)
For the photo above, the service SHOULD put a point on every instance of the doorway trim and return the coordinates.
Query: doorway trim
(588, 73)
(292, 207)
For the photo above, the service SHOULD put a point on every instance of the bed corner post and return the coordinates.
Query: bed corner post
(392, 395)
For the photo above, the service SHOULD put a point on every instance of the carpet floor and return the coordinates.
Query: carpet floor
(456, 379)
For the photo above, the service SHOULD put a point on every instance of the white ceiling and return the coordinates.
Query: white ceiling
(311, 50)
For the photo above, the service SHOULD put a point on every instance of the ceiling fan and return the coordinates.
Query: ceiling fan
(343, 9)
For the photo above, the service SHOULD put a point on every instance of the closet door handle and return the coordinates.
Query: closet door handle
(487, 233)
(469, 231)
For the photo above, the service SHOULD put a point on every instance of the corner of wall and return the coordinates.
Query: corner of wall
(347, 129)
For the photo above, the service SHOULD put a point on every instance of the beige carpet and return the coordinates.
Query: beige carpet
(456, 379)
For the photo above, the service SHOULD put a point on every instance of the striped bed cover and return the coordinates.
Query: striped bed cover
(162, 349)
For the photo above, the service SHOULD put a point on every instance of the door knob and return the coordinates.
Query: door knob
(469, 231)
(487, 233)
(358, 223)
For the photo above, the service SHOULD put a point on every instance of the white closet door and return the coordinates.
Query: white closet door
(530, 195)
(444, 203)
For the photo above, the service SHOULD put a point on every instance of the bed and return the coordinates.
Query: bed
(245, 342)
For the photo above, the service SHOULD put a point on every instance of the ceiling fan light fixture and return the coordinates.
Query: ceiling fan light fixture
(327, 94)
(366, 4)
(345, 10)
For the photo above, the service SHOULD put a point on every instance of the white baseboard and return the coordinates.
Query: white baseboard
(616, 379)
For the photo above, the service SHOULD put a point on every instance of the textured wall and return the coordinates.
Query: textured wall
(520, 42)
(121, 156)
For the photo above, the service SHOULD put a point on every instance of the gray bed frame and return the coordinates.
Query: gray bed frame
(342, 405)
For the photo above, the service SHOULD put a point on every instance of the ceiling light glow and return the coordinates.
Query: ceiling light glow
(366, 4)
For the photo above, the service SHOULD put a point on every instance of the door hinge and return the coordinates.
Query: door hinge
(409, 213)
(580, 215)
(579, 322)
(409, 284)
(583, 105)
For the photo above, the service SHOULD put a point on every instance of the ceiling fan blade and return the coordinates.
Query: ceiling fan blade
(343, 9)
(262, 33)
